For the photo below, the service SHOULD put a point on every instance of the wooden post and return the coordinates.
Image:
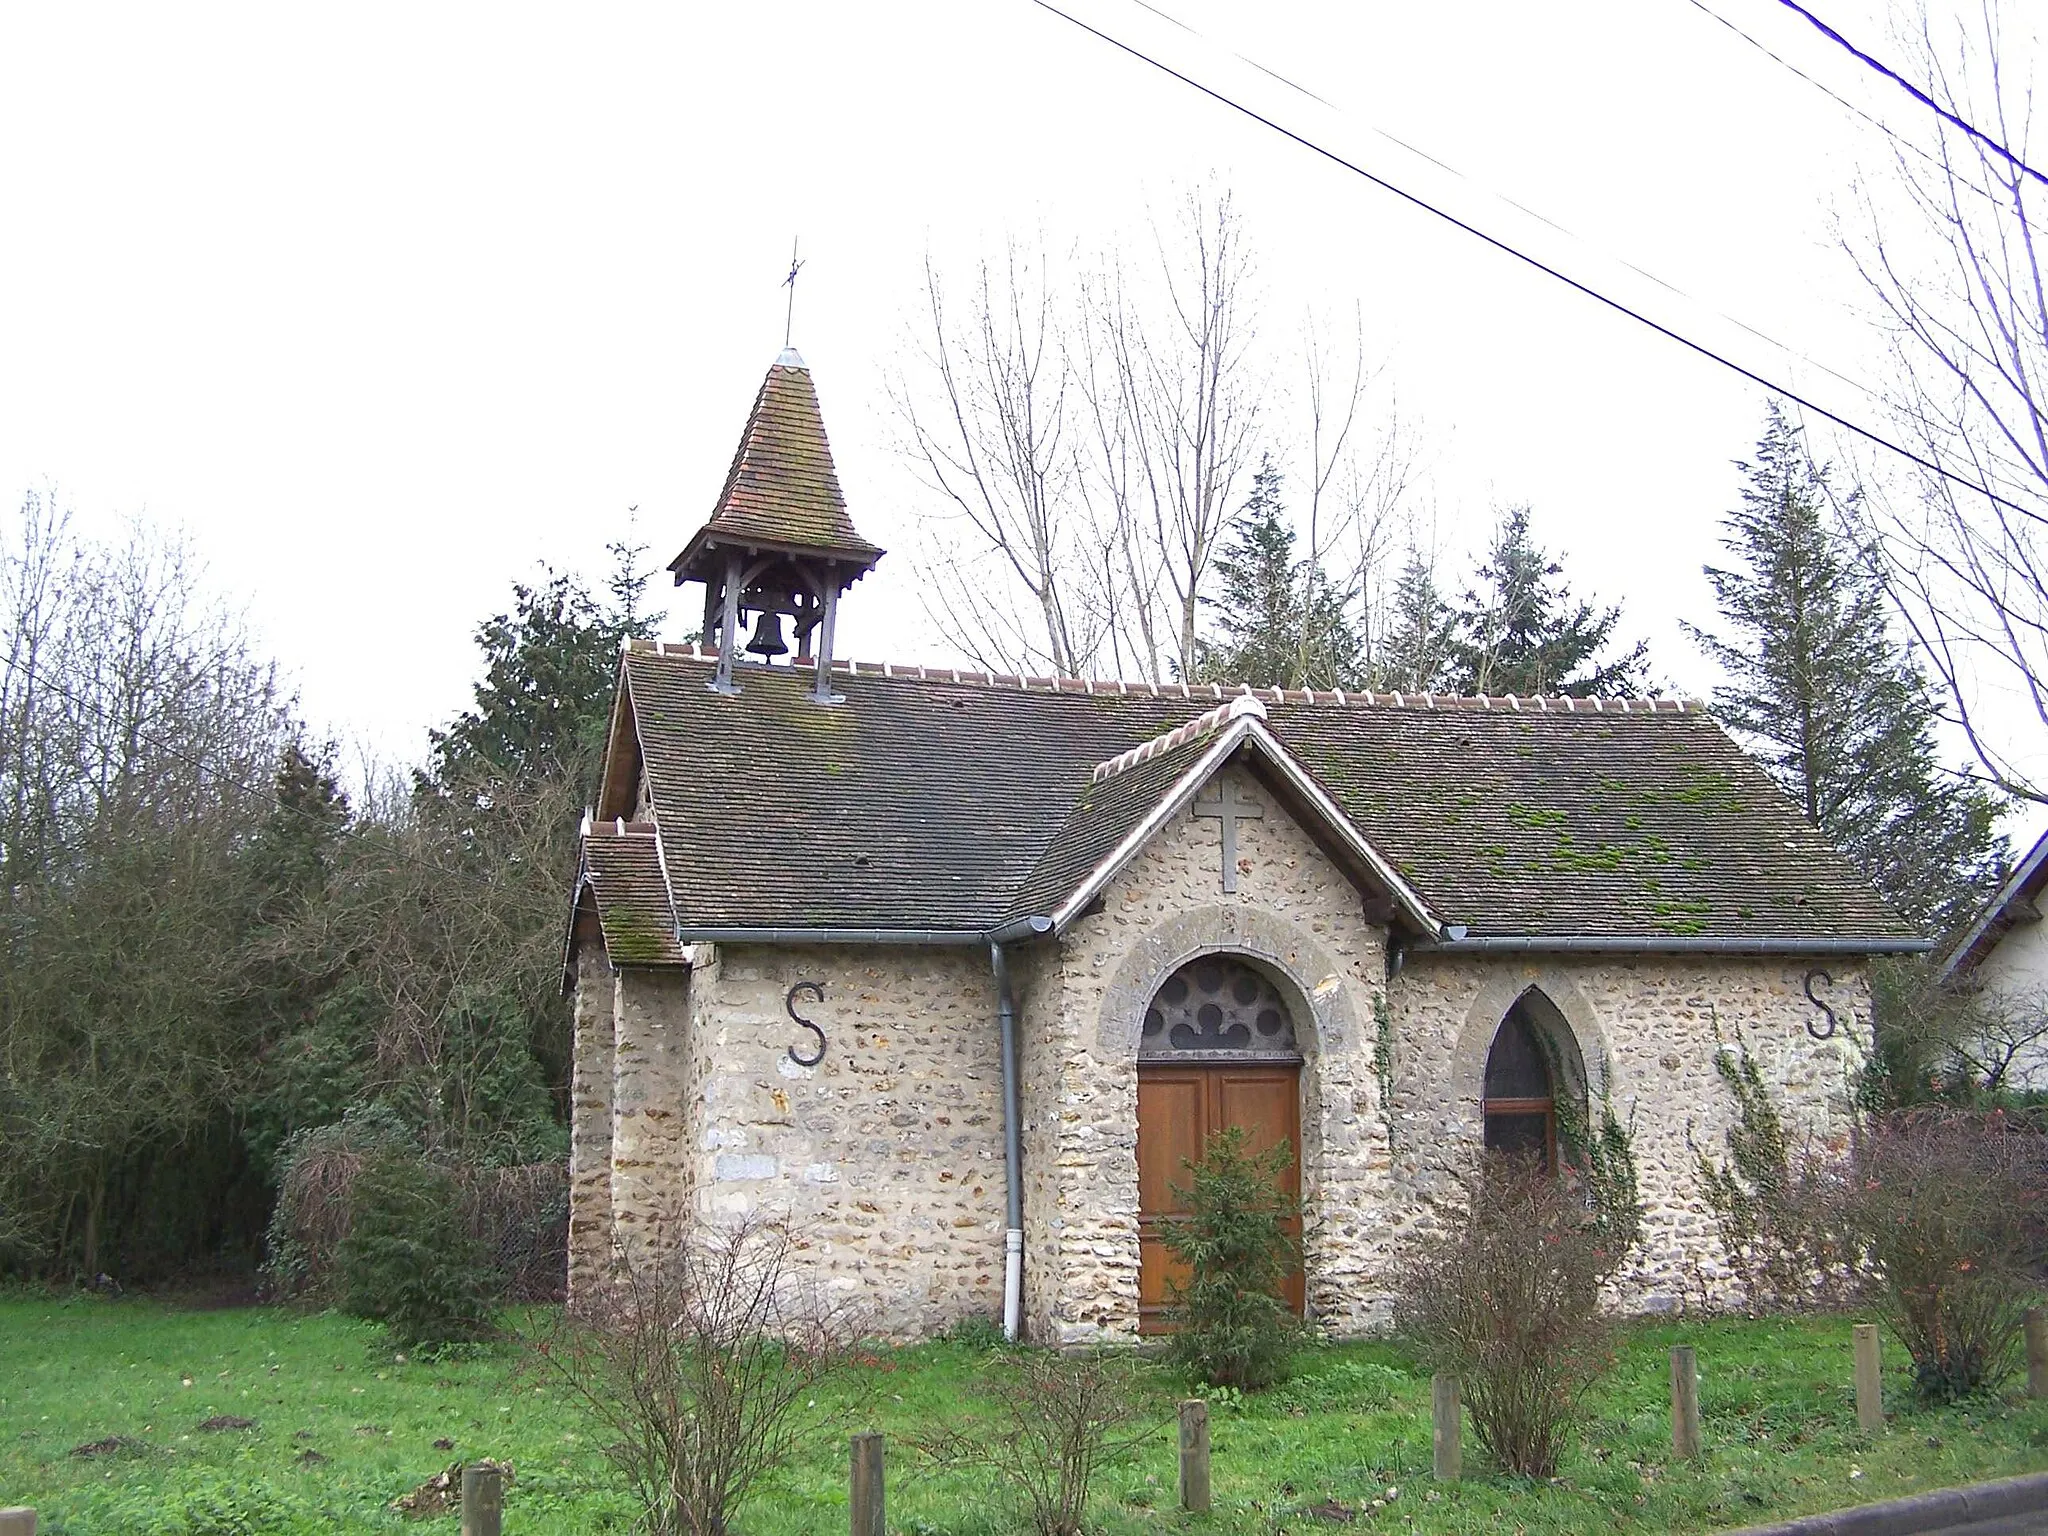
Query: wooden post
(865, 1494)
(2037, 1352)
(483, 1501)
(1194, 1456)
(1446, 1424)
(1685, 1404)
(18, 1521)
(1869, 1379)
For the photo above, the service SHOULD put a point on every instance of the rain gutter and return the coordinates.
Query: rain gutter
(751, 935)
(1023, 928)
(1456, 943)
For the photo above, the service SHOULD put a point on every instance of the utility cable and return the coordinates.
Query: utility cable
(1849, 106)
(1523, 208)
(1868, 434)
(1913, 90)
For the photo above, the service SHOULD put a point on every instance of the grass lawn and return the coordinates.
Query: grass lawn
(342, 1427)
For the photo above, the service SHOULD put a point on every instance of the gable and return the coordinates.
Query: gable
(929, 807)
(1279, 856)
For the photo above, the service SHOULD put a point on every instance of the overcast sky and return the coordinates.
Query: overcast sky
(383, 305)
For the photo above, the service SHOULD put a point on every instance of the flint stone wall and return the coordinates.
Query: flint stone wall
(590, 1124)
(651, 1109)
(1647, 1030)
(887, 1155)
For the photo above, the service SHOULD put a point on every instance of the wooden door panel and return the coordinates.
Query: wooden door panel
(1172, 1125)
(1179, 1108)
(1172, 1115)
(1264, 1101)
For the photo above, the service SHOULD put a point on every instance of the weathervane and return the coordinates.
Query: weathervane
(789, 282)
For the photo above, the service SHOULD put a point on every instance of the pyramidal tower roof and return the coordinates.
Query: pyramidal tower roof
(782, 493)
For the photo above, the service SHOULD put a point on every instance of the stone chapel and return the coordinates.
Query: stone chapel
(954, 970)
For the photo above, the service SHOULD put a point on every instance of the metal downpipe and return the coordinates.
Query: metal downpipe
(1013, 1150)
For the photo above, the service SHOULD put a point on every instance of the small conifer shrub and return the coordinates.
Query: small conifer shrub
(1233, 1328)
(409, 1260)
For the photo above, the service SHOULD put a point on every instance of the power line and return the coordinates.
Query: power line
(1849, 106)
(1912, 90)
(1866, 433)
(1523, 208)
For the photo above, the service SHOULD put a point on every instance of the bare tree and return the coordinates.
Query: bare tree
(1091, 440)
(1173, 401)
(1362, 463)
(1959, 283)
(987, 428)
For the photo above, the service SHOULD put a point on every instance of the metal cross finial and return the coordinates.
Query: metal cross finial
(1228, 809)
(789, 282)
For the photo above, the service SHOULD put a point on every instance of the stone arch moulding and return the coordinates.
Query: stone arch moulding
(1483, 1019)
(1314, 977)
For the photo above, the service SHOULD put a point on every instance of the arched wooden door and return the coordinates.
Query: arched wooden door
(1217, 1051)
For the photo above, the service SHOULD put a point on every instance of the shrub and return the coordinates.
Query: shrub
(1233, 1328)
(1506, 1297)
(701, 1364)
(1050, 1422)
(408, 1260)
(519, 1213)
(316, 1171)
(1951, 1208)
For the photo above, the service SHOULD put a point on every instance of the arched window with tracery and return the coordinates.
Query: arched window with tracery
(1520, 1101)
(1218, 1008)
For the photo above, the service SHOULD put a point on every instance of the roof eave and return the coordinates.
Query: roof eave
(2024, 881)
(858, 558)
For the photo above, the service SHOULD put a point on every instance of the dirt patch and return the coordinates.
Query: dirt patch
(113, 1445)
(311, 1458)
(221, 1421)
(1331, 1512)
(442, 1493)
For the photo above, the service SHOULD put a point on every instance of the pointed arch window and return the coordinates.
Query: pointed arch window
(1520, 1102)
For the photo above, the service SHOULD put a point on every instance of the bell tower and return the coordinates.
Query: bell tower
(779, 544)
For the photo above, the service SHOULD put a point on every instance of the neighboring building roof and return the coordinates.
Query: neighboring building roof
(945, 804)
(782, 492)
(2016, 902)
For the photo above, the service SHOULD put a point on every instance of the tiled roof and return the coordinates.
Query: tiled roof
(929, 803)
(782, 489)
(622, 866)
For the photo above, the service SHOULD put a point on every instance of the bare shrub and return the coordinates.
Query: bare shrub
(1049, 1423)
(1506, 1297)
(1951, 1207)
(701, 1363)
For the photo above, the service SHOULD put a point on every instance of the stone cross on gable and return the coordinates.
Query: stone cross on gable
(1228, 809)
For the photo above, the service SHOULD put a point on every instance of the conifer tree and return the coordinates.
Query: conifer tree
(1281, 623)
(1829, 700)
(1522, 631)
(1416, 656)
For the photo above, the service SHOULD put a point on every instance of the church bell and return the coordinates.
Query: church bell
(767, 637)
